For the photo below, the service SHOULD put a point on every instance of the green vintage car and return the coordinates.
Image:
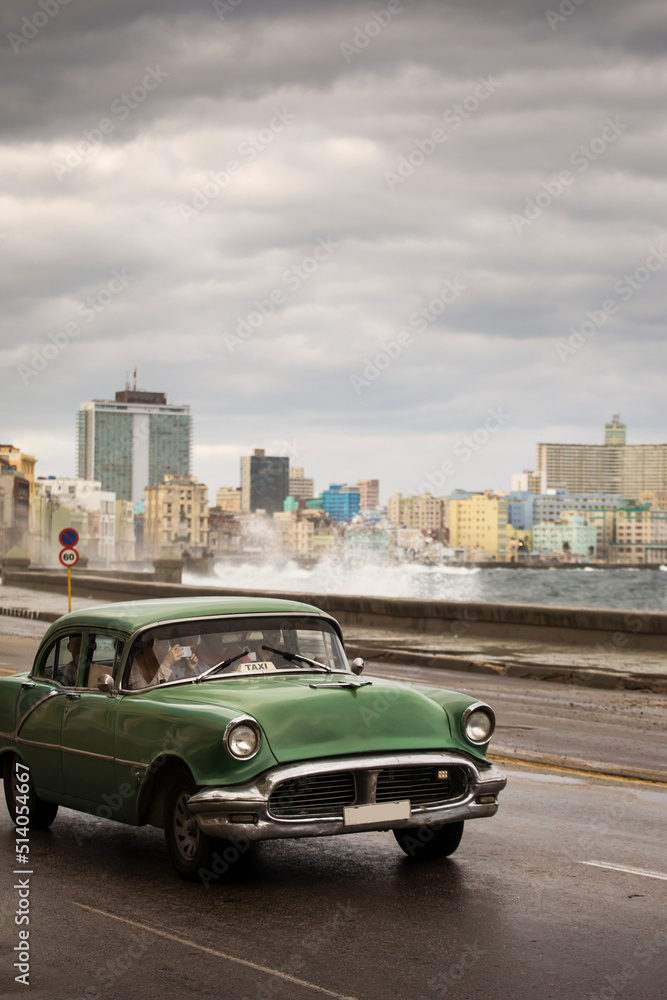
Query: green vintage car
(231, 720)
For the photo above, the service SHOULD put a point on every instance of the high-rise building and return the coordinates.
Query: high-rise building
(14, 506)
(264, 482)
(228, 498)
(25, 464)
(612, 467)
(369, 493)
(92, 512)
(614, 431)
(133, 442)
(529, 482)
(299, 487)
(341, 503)
(573, 535)
(176, 515)
(641, 535)
(424, 513)
(479, 523)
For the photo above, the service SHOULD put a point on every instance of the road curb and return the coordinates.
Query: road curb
(506, 755)
(609, 680)
(40, 616)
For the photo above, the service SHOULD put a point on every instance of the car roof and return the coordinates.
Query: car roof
(129, 616)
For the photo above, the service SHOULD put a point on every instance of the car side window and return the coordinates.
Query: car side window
(62, 660)
(103, 655)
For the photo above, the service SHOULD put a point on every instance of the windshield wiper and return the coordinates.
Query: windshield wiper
(297, 656)
(222, 665)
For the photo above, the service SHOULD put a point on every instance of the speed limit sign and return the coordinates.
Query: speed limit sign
(69, 557)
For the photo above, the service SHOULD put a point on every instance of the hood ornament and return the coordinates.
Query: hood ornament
(342, 684)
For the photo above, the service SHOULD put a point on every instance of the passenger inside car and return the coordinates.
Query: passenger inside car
(67, 673)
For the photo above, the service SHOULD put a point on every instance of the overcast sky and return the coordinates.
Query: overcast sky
(250, 202)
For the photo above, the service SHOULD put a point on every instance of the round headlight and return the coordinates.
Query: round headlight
(478, 724)
(242, 740)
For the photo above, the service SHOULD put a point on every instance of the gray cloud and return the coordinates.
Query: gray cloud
(155, 198)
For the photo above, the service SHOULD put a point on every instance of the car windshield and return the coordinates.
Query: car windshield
(233, 647)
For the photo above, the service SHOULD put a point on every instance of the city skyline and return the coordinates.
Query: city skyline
(350, 239)
(613, 436)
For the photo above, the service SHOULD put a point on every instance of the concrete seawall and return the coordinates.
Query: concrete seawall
(576, 626)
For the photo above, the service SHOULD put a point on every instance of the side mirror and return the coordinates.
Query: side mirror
(105, 683)
(357, 665)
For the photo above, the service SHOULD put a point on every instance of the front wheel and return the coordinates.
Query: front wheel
(429, 842)
(189, 849)
(20, 792)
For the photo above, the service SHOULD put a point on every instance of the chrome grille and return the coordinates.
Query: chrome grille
(313, 796)
(322, 796)
(420, 784)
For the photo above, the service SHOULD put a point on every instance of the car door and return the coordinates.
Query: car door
(89, 723)
(40, 710)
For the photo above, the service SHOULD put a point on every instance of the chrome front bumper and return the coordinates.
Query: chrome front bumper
(242, 811)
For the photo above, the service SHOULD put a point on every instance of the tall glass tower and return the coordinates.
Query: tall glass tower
(132, 442)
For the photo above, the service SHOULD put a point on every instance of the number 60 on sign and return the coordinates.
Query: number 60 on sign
(69, 557)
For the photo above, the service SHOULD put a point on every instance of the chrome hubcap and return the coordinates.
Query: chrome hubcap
(186, 831)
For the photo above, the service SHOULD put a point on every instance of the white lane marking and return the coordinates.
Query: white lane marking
(625, 868)
(218, 954)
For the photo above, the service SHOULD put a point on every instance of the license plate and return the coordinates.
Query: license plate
(376, 812)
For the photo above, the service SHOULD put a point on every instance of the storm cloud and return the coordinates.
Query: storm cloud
(341, 232)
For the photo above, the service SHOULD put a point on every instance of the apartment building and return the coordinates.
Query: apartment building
(176, 516)
(612, 467)
(478, 523)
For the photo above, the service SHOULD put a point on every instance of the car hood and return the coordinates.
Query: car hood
(301, 718)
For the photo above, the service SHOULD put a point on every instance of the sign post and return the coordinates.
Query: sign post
(69, 557)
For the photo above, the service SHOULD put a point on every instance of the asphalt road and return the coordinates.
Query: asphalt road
(515, 913)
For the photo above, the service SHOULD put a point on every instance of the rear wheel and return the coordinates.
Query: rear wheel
(20, 791)
(429, 842)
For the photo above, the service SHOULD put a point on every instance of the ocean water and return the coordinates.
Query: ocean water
(639, 589)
